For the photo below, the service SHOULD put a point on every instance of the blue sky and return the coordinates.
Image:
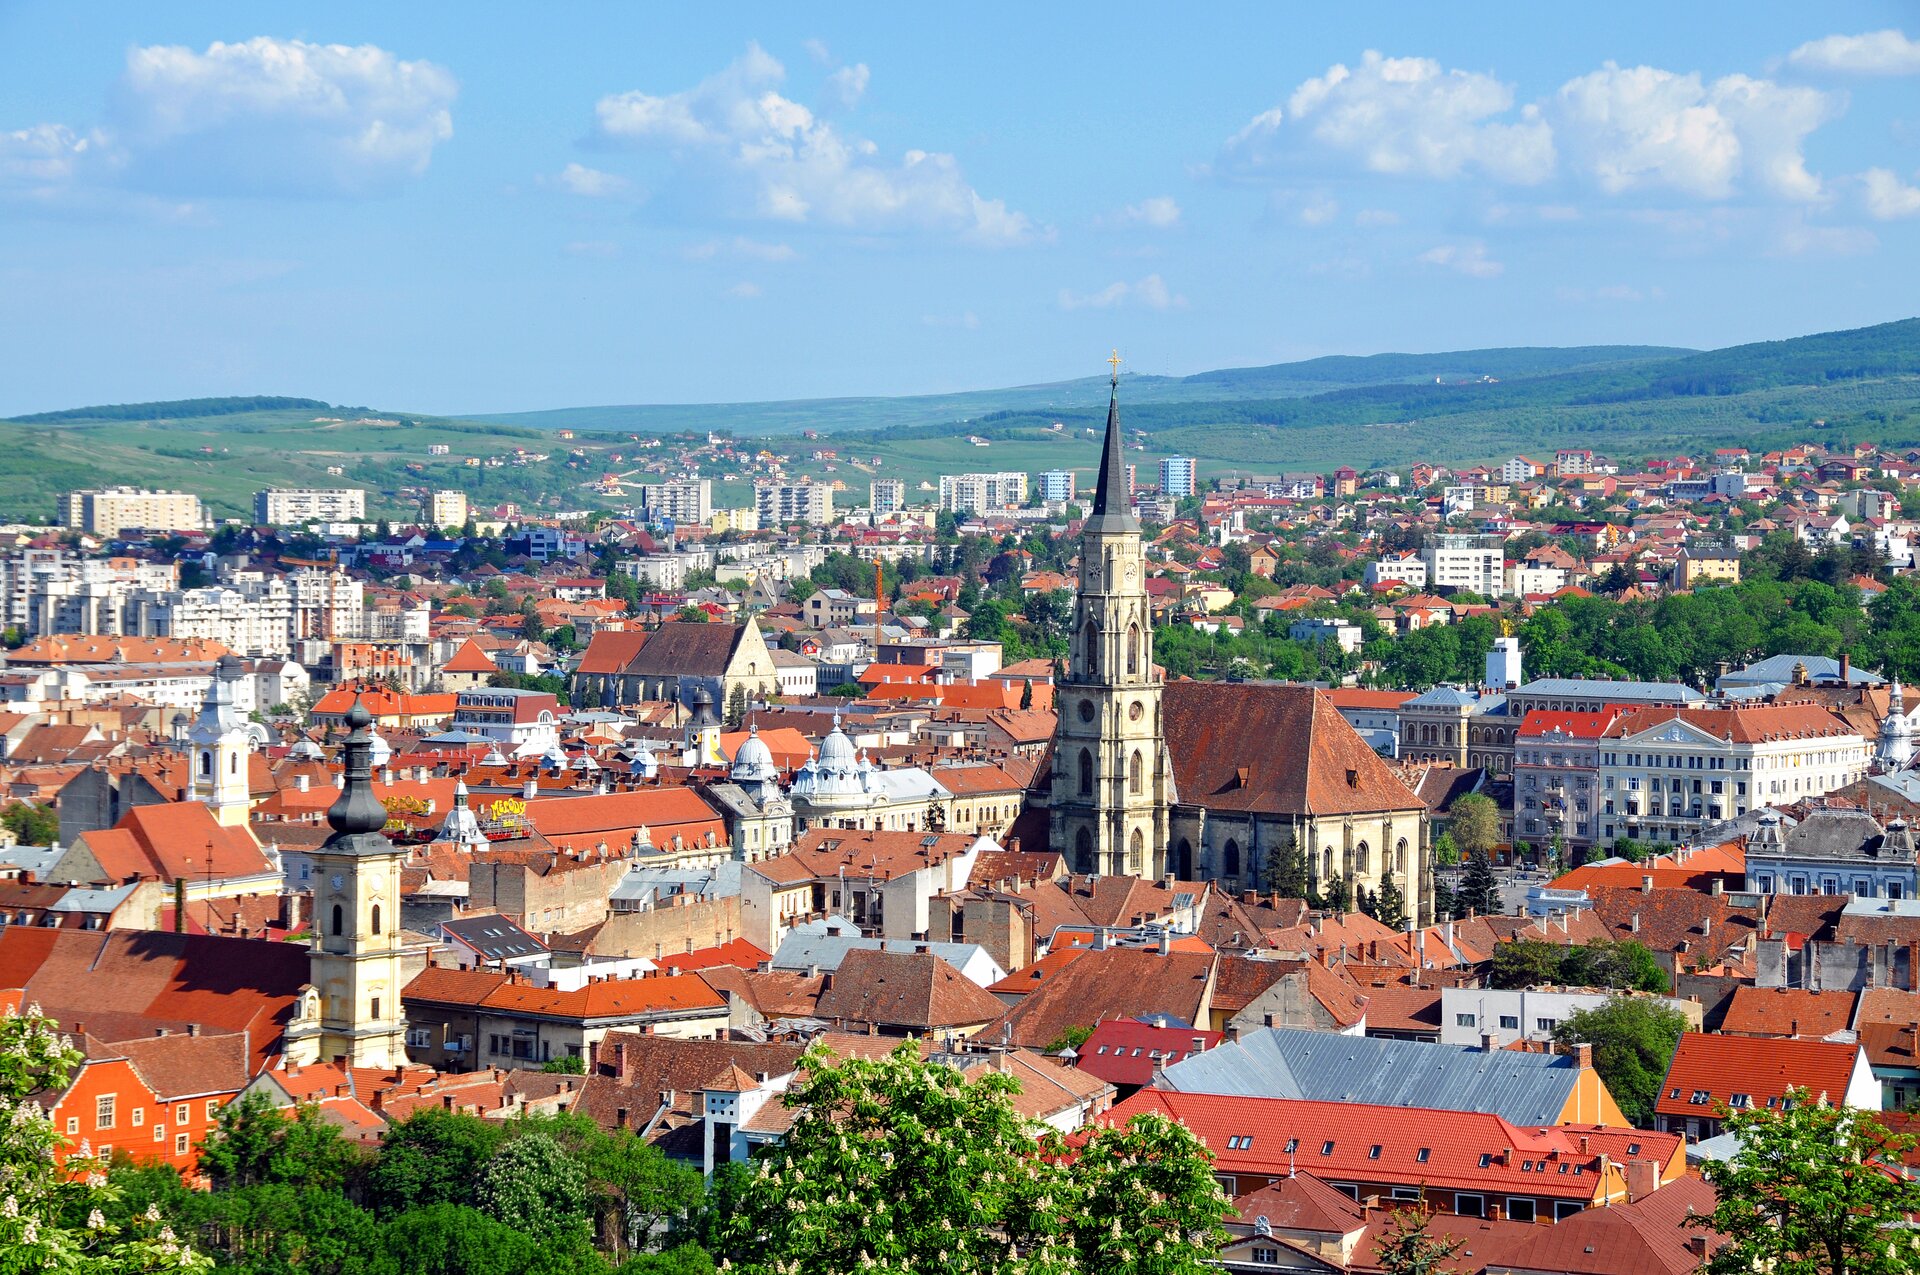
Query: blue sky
(469, 207)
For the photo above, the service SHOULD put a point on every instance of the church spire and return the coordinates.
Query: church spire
(1112, 503)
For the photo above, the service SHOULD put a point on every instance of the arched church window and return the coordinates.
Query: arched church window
(339, 918)
(1134, 772)
(1326, 864)
(206, 763)
(1230, 859)
(1090, 639)
(1400, 857)
(1136, 846)
(1083, 851)
(376, 918)
(1183, 860)
(233, 763)
(1362, 858)
(1086, 773)
(1133, 649)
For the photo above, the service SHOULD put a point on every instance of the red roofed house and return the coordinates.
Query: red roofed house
(154, 1097)
(1126, 1052)
(1712, 1075)
(169, 847)
(469, 667)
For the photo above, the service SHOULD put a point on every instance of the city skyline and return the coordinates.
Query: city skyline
(607, 206)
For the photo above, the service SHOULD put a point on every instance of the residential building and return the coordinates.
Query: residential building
(884, 882)
(1344, 633)
(1837, 851)
(684, 502)
(292, 506)
(519, 723)
(1057, 486)
(1409, 569)
(1470, 1015)
(1712, 1075)
(1571, 461)
(1556, 777)
(108, 511)
(780, 504)
(1594, 695)
(1667, 773)
(627, 666)
(448, 509)
(154, 1097)
(1179, 478)
(1473, 563)
(886, 496)
(983, 492)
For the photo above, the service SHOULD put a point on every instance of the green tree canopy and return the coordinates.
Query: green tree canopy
(1633, 1040)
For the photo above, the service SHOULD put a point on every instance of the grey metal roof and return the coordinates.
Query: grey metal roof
(1443, 697)
(1290, 1062)
(1613, 692)
(1779, 668)
(38, 860)
(91, 899)
(800, 951)
(493, 937)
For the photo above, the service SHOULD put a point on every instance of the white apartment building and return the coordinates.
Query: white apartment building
(665, 570)
(325, 602)
(1666, 773)
(783, 504)
(255, 620)
(1057, 486)
(1471, 562)
(1179, 477)
(57, 591)
(449, 509)
(1569, 461)
(292, 506)
(1326, 629)
(685, 502)
(1523, 578)
(1515, 1014)
(1521, 469)
(1409, 569)
(980, 493)
(107, 511)
(886, 496)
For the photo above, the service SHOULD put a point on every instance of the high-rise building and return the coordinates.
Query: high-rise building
(108, 511)
(288, 507)
(1111, 787)
(1057, 486)
(449, 509)
(685, 502)
(1467, 561)
(782, 504)
(979, 493)
(886, 496)
(1179, 477)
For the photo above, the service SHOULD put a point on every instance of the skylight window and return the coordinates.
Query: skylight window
(1373, 1152)
(1326, 1148)
(1422, 1154)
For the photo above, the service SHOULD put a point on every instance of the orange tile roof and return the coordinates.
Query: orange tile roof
(1761, 1068)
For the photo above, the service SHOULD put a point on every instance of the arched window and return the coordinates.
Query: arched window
(1361, 858)
(1090, 642)
(1134, 769)
(1326, 864)
(233, 763)
(1136, 845)
(1230, 859)
(376, 918)
(339, 918)
(1400, 857)
(1086, 773)
(1133, 649)
(1083, 851)
(206, 763)
(1183, 860)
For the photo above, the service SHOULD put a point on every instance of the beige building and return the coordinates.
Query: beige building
(108, 511)
(449, 509)
(1111, 780)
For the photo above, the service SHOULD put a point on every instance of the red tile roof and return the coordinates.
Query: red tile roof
(1127, 1051)
(1718, 1067)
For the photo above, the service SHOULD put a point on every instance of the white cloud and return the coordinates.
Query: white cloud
(1468, 259)
(1161, 212)
(1888, 52)
(817, 50)
(42, 159)
(1639, 127)
(1405, 116)
(1318, 211)
(269, 116)
(966, 319)
(1151, 293)
(769, 157)
(744, 291)
(1888, 198)
(849, 84)
(592, 248)
(1376, 217)
(741, 247)
(1799, 238)
(581, 180)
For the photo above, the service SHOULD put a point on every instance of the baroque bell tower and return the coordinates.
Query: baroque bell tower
(355, 960)
(1111, 784)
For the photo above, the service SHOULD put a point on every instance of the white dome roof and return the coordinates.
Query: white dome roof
(837, 755)
(754, 760)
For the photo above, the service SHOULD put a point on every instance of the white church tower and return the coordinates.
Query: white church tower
(219, 745)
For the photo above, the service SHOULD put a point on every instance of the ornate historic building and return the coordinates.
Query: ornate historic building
(356, 918)
(1111, 779)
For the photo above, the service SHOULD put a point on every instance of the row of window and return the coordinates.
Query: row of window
(106, 1113)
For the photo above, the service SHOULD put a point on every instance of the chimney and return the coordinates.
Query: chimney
(1643, 1179)
(1646, 884)
(1583, 1059)
(300, 783)
(620, 1059)
(1166, 942)
(1717, 887)
(1846, 669)
(1633, 923)
(1488, 1042)
(193, 1029)
(619, 1117)
(1697, 1245)
(530, 789)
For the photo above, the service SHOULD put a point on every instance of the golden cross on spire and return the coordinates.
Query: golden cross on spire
(1115, 361)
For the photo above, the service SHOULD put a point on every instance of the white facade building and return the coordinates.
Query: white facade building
(285, 507)
(1179, 477)
(1409, 569)
(1471, 562)
(1057, 486)
(684, 502)
(886, 495)
(783, 504)
(981, 493)
(449, 509)
(107, 511)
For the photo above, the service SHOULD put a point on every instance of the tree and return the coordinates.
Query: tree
(1479, 892)
(534, 1186)
(31, 825)
(1338, 895)
(254, 1143)
(1285, 873)
(1407, 1248)
(1390, 905)
(736, 712)
(50, 1220)
(1446, 851)
(570, 1065)
(1813, 1189)
(1474, 822)
(898, 1165)
(1633, 1040)
(431, 1157)
(1026, 693)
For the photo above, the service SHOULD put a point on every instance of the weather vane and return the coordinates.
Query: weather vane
(1115, 361)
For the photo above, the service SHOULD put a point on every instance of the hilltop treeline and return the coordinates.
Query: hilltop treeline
(173, 409)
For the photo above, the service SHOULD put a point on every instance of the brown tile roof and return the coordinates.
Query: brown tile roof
(1706, 924)
(1327, 769)
(1113, 983)
(912, 991)
(186, 1066)
(1398, 1007)
(1740, 725)
(678, 648)
(610, 651)
(1761, 1068)
(1787, 1011)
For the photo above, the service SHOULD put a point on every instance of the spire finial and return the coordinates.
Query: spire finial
(1115, 360)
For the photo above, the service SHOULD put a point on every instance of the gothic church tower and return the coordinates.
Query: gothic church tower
(1111, 783)
(355, 961)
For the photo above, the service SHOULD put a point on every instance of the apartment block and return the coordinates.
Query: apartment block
(886, 495)
(284, 507)
(782, 504)
(978, 493)
(107, 511)
(684, 502)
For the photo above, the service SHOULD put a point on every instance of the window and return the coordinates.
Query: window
(103, 1111)
(1519, 1208)
(1740, 1100)
(1266, 1256)
(213, 1108)
(375, 1006)
(1545, 1024)
(1086, 776)
(159, 1133)
(1293, 1144)
(1134, 773)
(1674, 1095)
(1486, 1158)
(339, 919)
(181, 1145)
(139, 1116)
(375, 928)
(1420, 1156)
(181, 1113)
(1470, 1205)
(1326, 1148)
(1373, 1152)
(1565, 1209)
(1700, 1098)
(73, 1126)
(1466, 1020)
(1510, 1022)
